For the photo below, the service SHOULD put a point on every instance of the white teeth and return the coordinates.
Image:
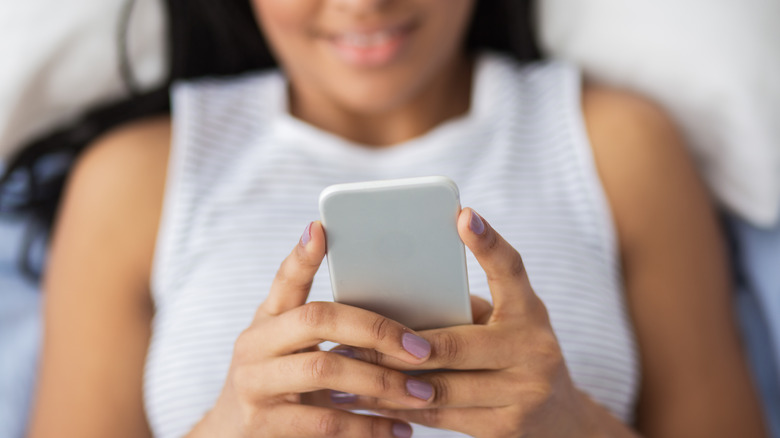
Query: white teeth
(366, 40)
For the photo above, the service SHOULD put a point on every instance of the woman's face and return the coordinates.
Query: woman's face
(366, 56)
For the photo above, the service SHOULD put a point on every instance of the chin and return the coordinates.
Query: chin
(374, 97)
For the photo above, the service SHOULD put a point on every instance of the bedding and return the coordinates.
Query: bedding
(60, 58)
(714, 65)
(20, 331)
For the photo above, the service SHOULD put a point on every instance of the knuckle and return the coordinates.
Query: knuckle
(384, 380)
(379, 328)
(371, 356)
(249, 417)
(306, 285)
(509, 267)
(516, 266)
(431, 417)
(492, 242)
(377, 427)
(538, 396)
(511, 423)
(441, 390)
(447, 347)
(503, 429)
(303, 258)
(298, 424)
(549, 355)
(508, 429)
(314, 314)
(249, 389)
(512, 345)
(289, 273)
(538, 312)
(242, 348)
(329, 424)
(282, 275)
(242, 381)
(320, 366)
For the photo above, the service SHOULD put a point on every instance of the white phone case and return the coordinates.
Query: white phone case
(393, 248)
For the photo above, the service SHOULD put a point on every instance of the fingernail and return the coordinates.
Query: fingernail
(415, 345)
(346, 352)
(306, 237)
(419, 389)
(401, 430)
(342, 397)
(476, 225)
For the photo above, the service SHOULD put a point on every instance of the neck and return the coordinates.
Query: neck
(446, 97)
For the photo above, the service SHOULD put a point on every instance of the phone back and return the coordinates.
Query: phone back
(393, 248)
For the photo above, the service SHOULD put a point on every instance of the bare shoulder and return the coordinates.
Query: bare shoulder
(137, 149)
(643, 162)
(118, 183)
(132, 158)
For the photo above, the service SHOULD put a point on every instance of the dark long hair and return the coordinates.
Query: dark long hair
(206, 38)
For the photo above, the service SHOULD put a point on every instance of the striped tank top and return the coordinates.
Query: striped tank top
(244, 180)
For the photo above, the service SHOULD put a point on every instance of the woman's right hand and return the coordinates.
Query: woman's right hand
(280, 384)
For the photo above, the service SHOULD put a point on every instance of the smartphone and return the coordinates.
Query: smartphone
(393, 248)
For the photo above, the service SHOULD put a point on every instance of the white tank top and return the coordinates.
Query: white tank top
(245, 176)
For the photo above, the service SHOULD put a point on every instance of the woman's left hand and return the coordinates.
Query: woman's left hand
(506, 376)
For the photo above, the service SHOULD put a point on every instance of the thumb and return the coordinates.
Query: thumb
(509, 285)
(293, 280)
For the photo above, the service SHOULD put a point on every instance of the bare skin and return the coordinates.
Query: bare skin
(99, 310)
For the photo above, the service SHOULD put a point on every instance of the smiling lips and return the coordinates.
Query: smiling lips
(370, 49)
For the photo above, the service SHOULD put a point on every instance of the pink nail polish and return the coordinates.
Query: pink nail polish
(419, 389)
(401, 430)
(415, 345)
(476, 224)
(306, 237)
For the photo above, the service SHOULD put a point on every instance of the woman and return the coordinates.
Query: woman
(166, 314)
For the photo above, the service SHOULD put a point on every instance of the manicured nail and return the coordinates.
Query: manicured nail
(419, 389)
(476, 225)
(342, 397)
(306, 236)
(401, 430)
(346, 352)
(415, 345)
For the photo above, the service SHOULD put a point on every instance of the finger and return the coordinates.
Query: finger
(506, 275)
(486, 389)
(466, 347)
(293, 280)
(297, 421)
(307, 372)
(471, 421)
(315, 322)
(481, 310)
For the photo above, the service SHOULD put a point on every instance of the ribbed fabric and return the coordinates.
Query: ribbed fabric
(244, 180)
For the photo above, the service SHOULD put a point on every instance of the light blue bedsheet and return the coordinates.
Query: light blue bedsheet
(757, 259)
(20, 332)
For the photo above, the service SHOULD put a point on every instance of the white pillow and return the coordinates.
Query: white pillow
(60, 58)
(714, 65)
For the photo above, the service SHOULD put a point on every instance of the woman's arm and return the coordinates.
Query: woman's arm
(97, 303)
(695, 382)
